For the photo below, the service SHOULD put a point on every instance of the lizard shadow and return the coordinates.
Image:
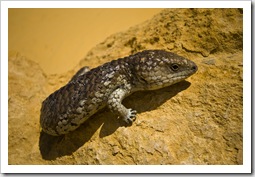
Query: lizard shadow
(52, 147)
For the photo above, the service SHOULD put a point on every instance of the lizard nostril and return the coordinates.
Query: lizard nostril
(194, 68)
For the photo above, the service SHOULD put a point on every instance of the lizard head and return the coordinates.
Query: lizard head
(157, 68)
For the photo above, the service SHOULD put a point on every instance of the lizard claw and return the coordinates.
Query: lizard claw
(130, 117)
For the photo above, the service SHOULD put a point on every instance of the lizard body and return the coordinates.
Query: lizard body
(107, 85)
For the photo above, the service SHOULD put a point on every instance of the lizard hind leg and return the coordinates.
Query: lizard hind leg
(80, 72)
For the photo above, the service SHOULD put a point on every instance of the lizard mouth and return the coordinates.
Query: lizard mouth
(182, 75)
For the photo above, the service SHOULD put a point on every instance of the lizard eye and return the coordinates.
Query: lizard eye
(174, 67)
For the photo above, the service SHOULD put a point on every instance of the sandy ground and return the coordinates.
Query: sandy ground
(198, 121)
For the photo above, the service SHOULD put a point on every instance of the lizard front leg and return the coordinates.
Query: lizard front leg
(115, 105)
(81, 71)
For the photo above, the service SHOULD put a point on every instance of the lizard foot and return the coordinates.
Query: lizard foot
(130, 117)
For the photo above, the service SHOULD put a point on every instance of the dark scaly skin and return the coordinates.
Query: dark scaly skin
(107, 85)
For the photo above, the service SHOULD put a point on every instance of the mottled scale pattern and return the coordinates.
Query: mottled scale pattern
(107, 85)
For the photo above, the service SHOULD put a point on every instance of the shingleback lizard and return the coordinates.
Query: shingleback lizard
(107, 85)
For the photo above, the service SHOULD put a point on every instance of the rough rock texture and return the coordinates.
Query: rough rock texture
(198, 121)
